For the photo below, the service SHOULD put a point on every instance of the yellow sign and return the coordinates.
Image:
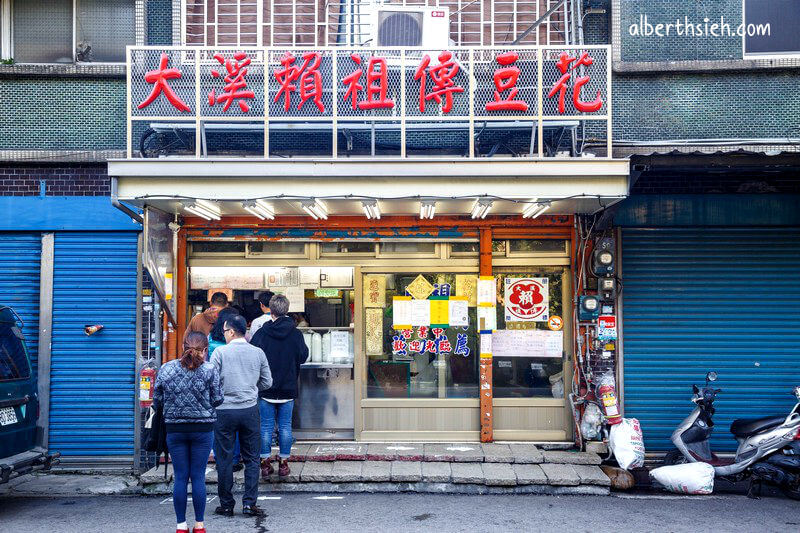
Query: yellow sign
(374, 291)
(440, 312)
(467, 286)
(555, 323)
(373, 329)
(420, 288)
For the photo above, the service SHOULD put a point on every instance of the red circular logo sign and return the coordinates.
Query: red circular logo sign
(525, 299)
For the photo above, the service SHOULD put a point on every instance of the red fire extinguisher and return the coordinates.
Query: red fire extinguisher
(147, 382)
(607, 391)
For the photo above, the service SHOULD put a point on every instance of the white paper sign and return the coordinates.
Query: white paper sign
(297, 299)
(420, 312)
(487, 291)
(487, 318)
(528, 343)
(338, 277)
(340, 343)
(459, 312)
(401, 312)
(309, 277)
(486, 343)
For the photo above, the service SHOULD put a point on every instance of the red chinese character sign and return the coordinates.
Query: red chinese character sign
(561, 86)
(376, 88)
(159, 79)
(309, 77)
(235, 88)
(527, 299)
(505, 83)
(442, 77)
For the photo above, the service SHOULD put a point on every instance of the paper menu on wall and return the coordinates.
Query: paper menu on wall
(486, 291)
(420, 312)
(283, 277)
(459, 311)
(487, 318)
(401, 312)
(339, 277)
(340, 343)
(528, 343)
(297, 299)
(486, 344)
(309, 277)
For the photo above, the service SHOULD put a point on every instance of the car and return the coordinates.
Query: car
(19, 404)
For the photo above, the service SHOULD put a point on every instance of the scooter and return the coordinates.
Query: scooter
(769, 448)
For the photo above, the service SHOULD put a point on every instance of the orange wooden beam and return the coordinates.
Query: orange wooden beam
(181, 296)
(485, 363)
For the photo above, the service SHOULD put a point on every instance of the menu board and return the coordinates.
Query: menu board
(528, 343)
(401, 312)
(226, 278)
(339, 277)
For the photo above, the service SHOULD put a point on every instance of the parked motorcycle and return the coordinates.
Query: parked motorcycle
(769, 448)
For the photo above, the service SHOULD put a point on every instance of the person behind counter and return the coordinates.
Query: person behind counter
(243, 371)
(204, 322)
(188, 390)
(263, 301)
(286, 351)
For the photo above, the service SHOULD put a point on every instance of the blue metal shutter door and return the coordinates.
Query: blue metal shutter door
(20, 257)
(92, 377)
(705, 299)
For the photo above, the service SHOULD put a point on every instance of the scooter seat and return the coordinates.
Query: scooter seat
(744, 427)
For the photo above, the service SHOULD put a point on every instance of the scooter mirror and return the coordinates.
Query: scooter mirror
(711, 376)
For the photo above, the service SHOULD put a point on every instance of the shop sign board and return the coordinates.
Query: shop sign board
(420, 288)
(527, 299)
(374, 293)
(467, 287)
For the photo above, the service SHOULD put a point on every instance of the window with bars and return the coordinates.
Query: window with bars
(348, 22)
(68, 31)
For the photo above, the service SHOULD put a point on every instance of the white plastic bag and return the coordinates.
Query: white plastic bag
(591, 421)
(689, 478)
(627, 443)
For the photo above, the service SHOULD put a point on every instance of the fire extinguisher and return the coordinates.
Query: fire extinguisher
(607, 391)
(147, 383)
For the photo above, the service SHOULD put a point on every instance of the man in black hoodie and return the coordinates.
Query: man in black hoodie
(286, 351)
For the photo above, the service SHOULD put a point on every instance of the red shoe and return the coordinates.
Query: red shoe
(266, 468)
(283, 468)
(198, 530)
(182, 530)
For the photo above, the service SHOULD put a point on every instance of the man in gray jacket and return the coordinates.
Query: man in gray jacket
(243, 371)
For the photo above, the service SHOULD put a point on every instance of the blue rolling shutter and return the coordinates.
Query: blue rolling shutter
(20, 256)
(92, 378)
(709, 299)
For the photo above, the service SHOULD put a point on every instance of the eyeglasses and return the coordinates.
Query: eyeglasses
(226, 330)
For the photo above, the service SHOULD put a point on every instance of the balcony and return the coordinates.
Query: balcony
(271, 103)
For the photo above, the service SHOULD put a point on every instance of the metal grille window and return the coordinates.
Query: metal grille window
(67, 31)
(349, 22)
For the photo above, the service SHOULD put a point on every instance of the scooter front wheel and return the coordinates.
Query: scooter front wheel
(674, 457)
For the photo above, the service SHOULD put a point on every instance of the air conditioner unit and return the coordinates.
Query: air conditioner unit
(424, 27)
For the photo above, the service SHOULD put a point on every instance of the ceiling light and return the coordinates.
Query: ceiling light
(315, 208)
(481, 208)
(427, 210)
(534, 210)
(201, 211)
(371, 209)
(259, 209)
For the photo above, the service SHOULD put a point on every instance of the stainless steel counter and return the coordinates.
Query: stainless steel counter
(325, 403)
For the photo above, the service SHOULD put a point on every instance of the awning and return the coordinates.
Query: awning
(568, 185)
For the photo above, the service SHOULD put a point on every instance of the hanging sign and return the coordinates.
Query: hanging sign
(373, 330)
(467, 287)
(374, 291)
(420, 288)
(607, 327)
(527, 299)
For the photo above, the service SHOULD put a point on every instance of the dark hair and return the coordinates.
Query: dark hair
(224, 314)
(265, 297)
(220, 299)
(279, 305)
(195, 348)
(237, 323)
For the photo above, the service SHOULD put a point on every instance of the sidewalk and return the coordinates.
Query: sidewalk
(463, 468)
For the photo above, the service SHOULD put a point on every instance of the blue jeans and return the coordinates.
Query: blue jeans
(284, 416)
(189, 452)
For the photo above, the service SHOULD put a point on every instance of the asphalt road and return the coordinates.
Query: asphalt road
(414, 512)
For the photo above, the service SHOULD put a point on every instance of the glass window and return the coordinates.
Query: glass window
(402, 247)
(42, 31)
(217, 247)
(103, 29)
(499, 247)
(13, 359)
(355, 247)
(470, 248)
(526, 377)
(537, 246)
(278, 247)
(421, 362)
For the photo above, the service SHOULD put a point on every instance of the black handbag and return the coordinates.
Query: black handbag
(156, 440)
